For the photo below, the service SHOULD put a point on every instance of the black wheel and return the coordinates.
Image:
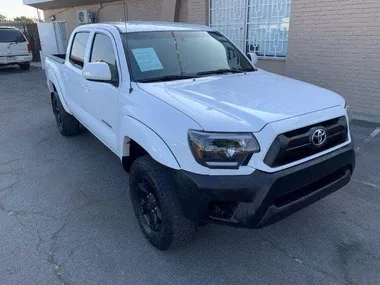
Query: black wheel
(67, 124)
(156, 205)
(25, 66)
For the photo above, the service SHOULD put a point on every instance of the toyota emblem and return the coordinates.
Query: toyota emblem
(319, 137)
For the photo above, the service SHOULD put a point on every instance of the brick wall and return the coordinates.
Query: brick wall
(198, 12)
(183, 11)
(272, 65)
(336, 45)
(138, 10)
(114, 11)
(192, 11)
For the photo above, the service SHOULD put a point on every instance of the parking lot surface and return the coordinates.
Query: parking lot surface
(66, 218)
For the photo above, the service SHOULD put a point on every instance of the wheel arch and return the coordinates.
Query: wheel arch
(55, 87)
(138, 140)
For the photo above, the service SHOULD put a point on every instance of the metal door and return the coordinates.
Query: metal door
(260, 26)
(228, 17)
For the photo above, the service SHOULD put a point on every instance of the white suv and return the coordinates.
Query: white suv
(14, 48)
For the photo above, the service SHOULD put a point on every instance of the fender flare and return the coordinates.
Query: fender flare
(148, 139)
(52, 82)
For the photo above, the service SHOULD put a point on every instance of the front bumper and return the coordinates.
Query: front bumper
(15, 59)
(260, 199)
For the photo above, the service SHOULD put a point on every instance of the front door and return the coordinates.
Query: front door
(102, 97)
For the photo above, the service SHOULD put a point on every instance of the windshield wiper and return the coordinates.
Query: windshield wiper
(166, 78)
(221, 71)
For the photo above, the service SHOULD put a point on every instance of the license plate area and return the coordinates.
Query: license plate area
(310, 188)
(7, 58)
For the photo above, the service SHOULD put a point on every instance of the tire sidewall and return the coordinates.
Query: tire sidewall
(162, 238)
(57, 103)
(67, 124)
(24, 66)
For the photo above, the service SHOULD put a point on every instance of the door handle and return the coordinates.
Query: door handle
(85, 87)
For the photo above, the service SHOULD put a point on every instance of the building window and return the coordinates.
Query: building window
(228, 17)
(260, 26)
(268, 27)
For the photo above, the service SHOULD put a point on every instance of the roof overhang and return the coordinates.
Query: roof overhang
(59, 4)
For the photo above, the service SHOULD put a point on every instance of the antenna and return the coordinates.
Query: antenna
(126, 42)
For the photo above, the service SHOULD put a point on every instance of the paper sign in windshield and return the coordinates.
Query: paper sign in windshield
(147, 59)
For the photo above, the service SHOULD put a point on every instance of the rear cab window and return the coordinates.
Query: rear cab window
(11, 36)
(78, 49)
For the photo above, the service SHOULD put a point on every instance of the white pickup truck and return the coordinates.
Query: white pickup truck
(204, 134)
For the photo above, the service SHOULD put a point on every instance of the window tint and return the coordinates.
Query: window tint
(10, 35)
(102, 51)
(78, 49)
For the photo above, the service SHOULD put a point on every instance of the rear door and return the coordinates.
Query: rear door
(12, 42)
(72, 75)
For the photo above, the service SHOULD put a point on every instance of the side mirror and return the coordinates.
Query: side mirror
(252, 57)
(97, 71)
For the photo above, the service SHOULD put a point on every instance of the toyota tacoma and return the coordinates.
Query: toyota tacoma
(205, 136)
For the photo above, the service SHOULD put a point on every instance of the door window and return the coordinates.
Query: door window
(78, 49)
(103, 51)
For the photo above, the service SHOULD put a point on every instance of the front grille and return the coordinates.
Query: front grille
(296, 145)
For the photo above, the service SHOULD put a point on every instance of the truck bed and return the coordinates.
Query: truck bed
(60, 58)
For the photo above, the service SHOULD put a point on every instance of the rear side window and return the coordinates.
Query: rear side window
(11, 36)
(103, 51)
(78, 49)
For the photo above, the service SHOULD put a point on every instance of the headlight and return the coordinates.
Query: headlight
(222, 150)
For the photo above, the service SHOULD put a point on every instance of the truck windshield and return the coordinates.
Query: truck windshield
(164, 56)
(11, 36)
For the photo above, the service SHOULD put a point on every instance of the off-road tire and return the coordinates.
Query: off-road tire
(24, 66)
(67, 124)
(175, 229)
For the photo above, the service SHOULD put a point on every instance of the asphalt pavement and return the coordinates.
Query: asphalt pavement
(66, 217)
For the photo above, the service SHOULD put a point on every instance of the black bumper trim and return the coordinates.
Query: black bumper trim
(262, 198)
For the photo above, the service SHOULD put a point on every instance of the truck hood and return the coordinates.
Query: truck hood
(242, 102)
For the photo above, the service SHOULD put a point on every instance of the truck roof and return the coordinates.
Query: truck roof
(152, 26)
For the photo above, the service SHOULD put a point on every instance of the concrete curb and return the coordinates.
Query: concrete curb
(363, 123)
(365, 120)
(36, 64)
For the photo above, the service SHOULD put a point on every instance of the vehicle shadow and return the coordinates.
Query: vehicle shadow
(9, 69)
(317, 243)
(279, 254)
